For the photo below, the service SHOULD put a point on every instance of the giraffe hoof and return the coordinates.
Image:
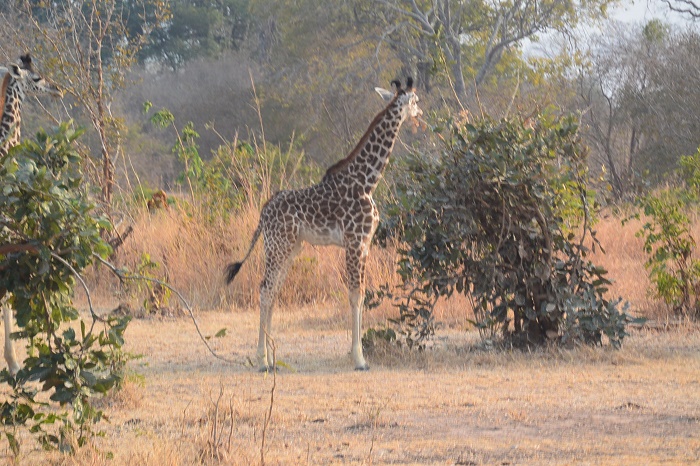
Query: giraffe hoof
(363, 368)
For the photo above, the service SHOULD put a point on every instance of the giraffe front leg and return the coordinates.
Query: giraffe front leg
(355, 258)
(356, 303)
(10, 357)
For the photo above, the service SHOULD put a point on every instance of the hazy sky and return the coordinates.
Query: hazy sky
(629, 11)
(641, 11)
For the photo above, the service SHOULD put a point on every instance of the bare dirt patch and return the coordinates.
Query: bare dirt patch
(450, 405)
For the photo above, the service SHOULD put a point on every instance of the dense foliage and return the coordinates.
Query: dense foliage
(503, 216)
(197, 28)
(49, 232)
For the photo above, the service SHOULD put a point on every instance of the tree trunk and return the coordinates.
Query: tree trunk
(107, 177)
(458, 75)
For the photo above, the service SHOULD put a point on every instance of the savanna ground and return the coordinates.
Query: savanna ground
(460, 402)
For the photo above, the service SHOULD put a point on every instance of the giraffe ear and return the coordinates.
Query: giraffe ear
(26, 61)
(386, 95)
(15, 71)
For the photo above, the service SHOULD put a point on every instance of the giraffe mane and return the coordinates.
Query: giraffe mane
(343, 163)
(3, 91)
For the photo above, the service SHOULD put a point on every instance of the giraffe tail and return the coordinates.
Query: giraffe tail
(232, 269)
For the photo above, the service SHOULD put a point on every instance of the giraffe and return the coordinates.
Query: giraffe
(338, 211)
(18, 80)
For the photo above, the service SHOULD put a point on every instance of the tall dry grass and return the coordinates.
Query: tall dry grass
(192, 253)
(624, 258)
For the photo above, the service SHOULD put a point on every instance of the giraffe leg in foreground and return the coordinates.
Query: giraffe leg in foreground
(10, 357)
(355, 259)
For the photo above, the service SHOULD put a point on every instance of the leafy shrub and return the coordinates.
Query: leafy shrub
(670, 247)
(503, 216)
(376, 336)
(49, 232)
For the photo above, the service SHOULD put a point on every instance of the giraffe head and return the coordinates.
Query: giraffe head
(405, 99)
(30, 82)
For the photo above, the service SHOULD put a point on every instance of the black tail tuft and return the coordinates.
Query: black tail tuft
(232, 270)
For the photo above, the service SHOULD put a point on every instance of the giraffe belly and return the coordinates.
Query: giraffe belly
(322, 236)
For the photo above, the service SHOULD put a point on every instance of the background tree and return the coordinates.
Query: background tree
(612, 93)
(640, 97)
(690, 8)
(198, 28)
(328, 76)
(472, 37)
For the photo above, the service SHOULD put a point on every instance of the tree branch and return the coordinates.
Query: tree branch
(686, 7)
(12, 248)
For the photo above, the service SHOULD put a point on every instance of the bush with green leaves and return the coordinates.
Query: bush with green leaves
(673, 265)
(503, 216)
(237, 173)
(49, 233)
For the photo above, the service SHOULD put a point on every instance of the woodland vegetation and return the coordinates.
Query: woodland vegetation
(191, 113)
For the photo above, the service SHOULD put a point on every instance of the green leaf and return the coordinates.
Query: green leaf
(14, 444)
(62, 395)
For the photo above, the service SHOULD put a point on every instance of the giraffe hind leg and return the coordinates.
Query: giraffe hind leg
(277, 262)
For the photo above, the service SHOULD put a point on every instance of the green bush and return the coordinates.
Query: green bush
(672, 266)
(503, 216)
(49, 233)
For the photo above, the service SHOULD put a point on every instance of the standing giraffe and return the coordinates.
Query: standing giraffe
(337, 211)
(18, 80)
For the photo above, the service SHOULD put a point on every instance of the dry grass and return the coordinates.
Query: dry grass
(624, 259)
(452, 405)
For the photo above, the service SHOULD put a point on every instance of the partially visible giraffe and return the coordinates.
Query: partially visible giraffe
(18, 80)
(337, 211)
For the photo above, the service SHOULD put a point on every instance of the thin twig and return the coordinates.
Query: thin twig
(131, 276)
(268, 415)
(82, 282)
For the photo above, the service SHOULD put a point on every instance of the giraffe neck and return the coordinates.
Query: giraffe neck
(11, 116)
(366, 163)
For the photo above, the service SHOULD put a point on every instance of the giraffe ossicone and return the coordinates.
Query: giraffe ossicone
(338, 211)
(16, 82)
